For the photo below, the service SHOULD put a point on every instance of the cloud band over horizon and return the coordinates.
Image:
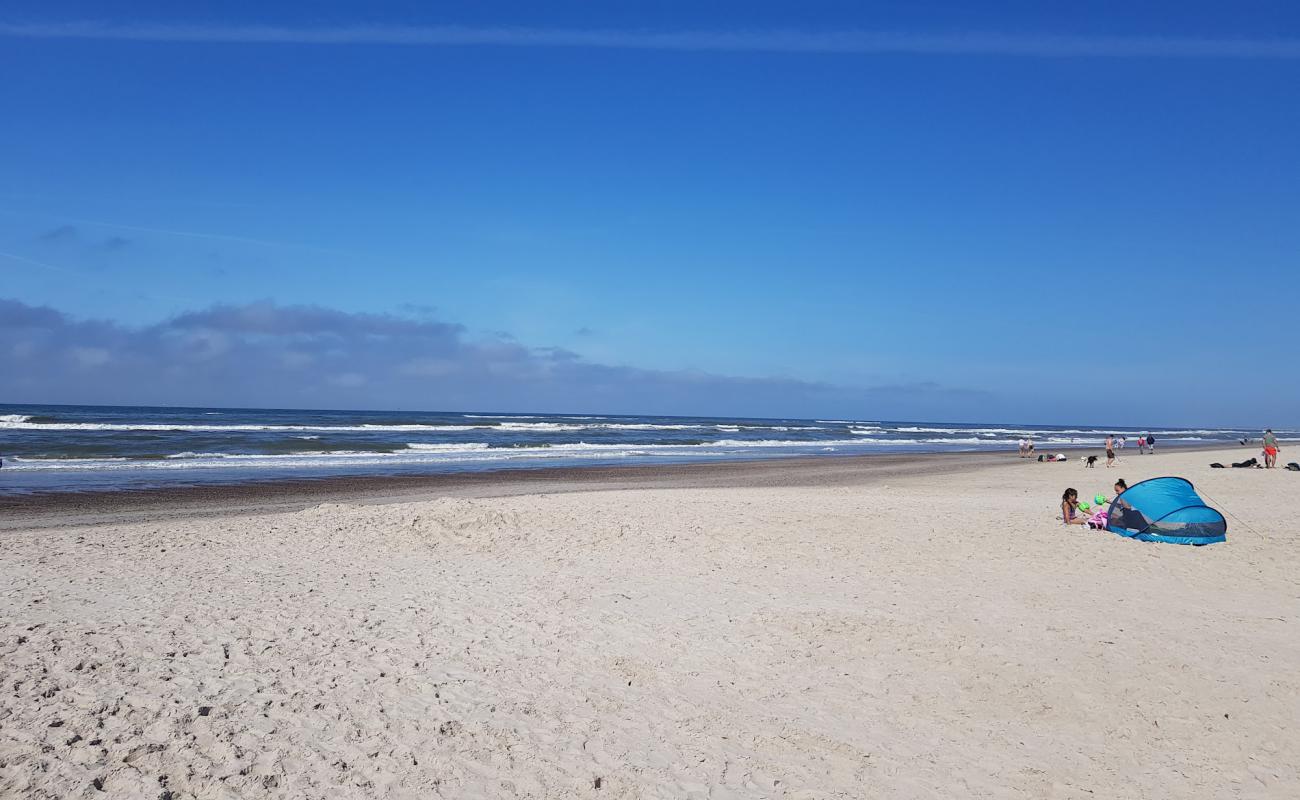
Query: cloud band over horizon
(267, 355)
(859, 42)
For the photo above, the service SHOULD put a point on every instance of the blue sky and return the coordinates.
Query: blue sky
(923, 206)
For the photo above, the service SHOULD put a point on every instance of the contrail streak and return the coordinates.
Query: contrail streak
(747, 40)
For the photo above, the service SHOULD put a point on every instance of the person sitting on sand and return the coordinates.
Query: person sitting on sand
(1124, 515)
(1070, 513)
(1270, 449)
(1120, 488)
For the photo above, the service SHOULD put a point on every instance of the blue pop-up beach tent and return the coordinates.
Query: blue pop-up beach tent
(1165, 510)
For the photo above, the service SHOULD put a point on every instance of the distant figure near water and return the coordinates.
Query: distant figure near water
(1110, 450)
(1142, 445)
(1270, 449)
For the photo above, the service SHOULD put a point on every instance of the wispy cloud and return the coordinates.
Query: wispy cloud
(746, 40)
(63, 233)
(69, 235)
(68, 231)
(31, 262)
(199, 235)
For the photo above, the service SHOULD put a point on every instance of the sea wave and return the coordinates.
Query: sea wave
(20, 422)
(181, 427)
(421, 452)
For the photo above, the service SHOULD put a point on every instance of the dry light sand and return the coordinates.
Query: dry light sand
(909, 636)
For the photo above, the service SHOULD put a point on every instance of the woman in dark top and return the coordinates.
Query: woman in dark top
(1123, 515)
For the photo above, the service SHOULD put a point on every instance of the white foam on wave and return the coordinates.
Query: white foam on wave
(445, 447)
(989, 431)
(19, 462)
(612, 426)
(21, 422)
(738, 428)
(255, 456)
(437, 453)
(966, 440)
(134, 426)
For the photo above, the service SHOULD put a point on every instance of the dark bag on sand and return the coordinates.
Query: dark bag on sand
(1247, 464)
(1294, 467)
(1217, 465)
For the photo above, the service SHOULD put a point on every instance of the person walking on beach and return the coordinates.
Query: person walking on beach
(1110, 450)
(1270, 449)
(1151, 444)
(1142, 445)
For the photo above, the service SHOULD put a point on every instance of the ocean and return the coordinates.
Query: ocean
(83, 448)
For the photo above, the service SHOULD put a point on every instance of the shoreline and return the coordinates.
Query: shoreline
(64, 508)
(72, 507)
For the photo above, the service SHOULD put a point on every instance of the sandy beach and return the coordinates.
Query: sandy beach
(907, 628)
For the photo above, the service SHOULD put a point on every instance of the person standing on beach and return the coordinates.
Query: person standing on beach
(1142, 445)
(1151, 444)
(1110, 450)
(1270, 449)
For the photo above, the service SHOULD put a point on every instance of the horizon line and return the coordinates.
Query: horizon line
(849, 42)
